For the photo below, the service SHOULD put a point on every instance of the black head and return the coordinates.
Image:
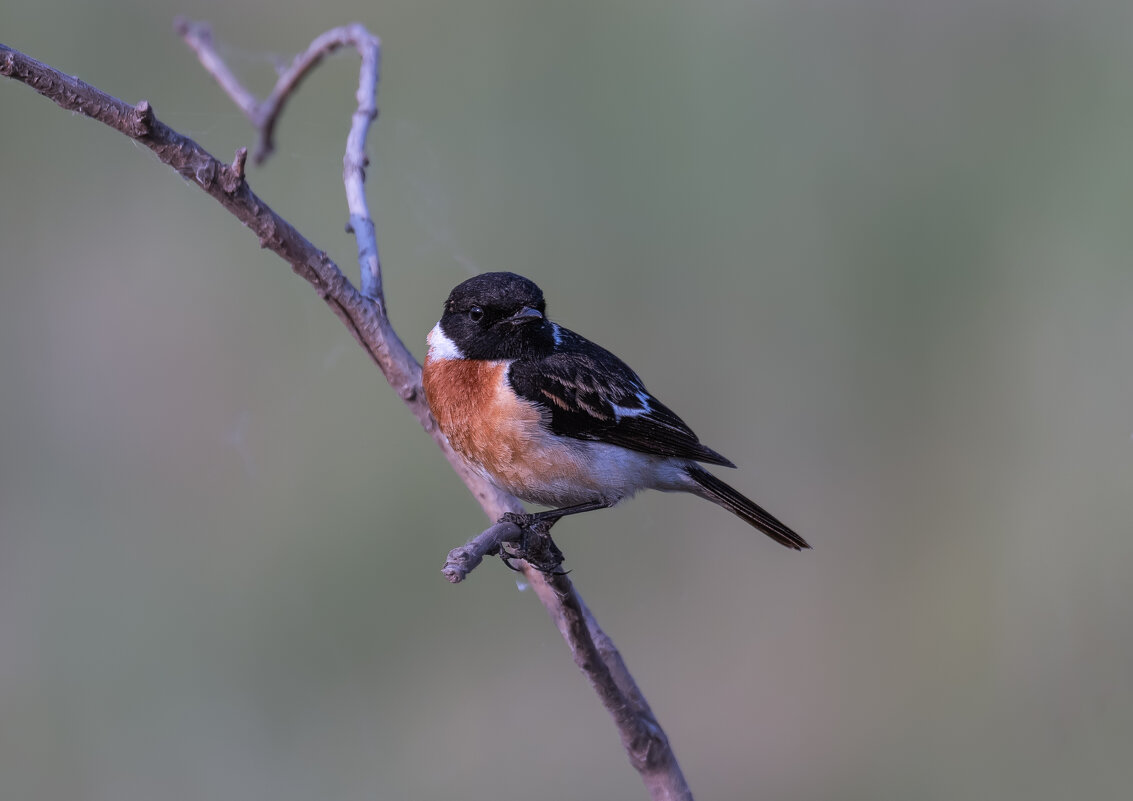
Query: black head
(498, 316)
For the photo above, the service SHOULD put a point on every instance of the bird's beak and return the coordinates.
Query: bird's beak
(526, 315)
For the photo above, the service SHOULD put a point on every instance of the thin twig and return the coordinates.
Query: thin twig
(364, 315)
(198, 36)
(463, 560)
(264, 115)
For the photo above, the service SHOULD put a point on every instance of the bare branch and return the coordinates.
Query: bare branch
(265, 115)
(364, 315)
(642, 736)
(463, 560)
(198, 36)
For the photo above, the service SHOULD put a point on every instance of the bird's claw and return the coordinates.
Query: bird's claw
(522, 520)
(535, 545)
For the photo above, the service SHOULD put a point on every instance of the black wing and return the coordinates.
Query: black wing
(593, 395)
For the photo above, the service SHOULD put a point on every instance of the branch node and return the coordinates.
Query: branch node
(232, 176)
(141, 120)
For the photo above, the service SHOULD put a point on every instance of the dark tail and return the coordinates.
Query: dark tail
(717, 491)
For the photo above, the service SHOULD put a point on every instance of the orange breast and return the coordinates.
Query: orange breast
(503, 436)
(485, 422)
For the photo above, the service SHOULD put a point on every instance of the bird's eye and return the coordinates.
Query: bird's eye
(475, 314)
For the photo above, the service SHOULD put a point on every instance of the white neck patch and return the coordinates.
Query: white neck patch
(440, 346)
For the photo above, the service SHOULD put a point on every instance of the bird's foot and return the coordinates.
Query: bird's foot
(535, 545)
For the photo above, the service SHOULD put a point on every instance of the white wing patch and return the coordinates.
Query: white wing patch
(440, 346)
(625, 411)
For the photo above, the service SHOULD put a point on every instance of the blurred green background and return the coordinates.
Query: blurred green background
(878, 253)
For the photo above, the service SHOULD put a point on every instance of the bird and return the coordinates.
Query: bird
(557, 420)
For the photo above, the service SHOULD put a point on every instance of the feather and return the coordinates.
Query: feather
(590, 394)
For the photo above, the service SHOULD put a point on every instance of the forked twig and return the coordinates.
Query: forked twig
(364, 315)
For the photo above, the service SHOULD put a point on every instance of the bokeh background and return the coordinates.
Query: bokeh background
(878, 252)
